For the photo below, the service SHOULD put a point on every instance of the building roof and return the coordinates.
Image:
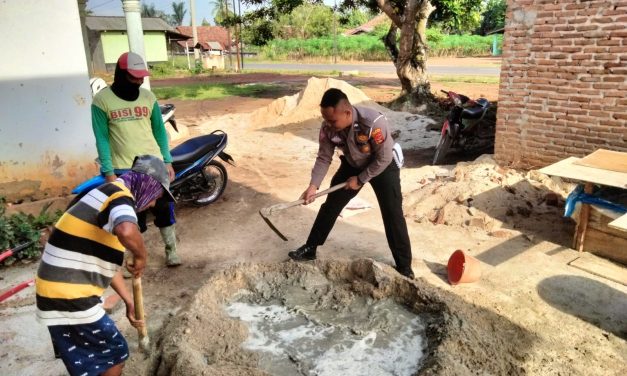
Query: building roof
(206, 34)
(215, 46)
(101, 23)
(368, 26)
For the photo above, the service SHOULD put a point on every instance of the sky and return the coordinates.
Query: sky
(203, 8)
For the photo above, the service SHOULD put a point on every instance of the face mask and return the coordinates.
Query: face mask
(122, 87)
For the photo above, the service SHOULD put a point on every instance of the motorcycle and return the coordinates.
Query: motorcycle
(199, 178)
(460, 128)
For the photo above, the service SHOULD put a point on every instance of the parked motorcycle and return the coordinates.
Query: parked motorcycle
(460, 129)
(200, 179)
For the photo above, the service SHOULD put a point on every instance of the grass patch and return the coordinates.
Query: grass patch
(465, 79)
(212, 91)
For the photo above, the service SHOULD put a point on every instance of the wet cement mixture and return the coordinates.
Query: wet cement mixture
(206, 339)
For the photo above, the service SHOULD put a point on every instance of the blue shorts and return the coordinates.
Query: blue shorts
(89, 349)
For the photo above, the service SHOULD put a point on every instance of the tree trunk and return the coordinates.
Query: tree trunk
(410, 55)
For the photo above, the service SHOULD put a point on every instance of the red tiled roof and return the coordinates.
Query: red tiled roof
(205, 34)
(368, 26)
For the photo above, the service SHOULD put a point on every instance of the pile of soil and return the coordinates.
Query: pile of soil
(203, 340)
(483, 195)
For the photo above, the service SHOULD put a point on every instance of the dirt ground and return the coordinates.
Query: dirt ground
(530, 312)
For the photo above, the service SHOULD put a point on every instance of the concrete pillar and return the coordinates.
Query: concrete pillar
(82, 5)
(135, 31)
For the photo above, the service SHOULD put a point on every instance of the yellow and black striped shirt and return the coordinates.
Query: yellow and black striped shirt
(82, 255)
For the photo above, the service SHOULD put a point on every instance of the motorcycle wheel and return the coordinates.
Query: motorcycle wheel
(215, 183)
(443, 145)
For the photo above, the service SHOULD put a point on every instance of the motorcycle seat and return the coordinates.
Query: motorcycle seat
(195, 148)
(477, 111)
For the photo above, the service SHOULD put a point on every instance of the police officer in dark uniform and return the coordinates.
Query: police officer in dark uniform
(365, 139)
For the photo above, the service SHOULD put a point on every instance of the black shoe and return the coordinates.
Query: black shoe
(304, 253)
(407, 272)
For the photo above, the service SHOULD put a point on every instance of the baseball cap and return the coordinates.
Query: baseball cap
(153, 166)
(133, 64)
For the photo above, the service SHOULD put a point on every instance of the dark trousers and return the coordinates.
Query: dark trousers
(163, 212)
(387, 188)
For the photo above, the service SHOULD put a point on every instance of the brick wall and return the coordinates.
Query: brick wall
(563, 88)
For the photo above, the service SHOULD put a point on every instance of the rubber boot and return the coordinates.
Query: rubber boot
(168, 234)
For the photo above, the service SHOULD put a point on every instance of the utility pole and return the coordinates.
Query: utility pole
(192, 13)
(241, 45)
(237, 36)
(228, 33)
(335, 33)
(135, 31)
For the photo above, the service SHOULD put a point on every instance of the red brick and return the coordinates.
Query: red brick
(605, 86)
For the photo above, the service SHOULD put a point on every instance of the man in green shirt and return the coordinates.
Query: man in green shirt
(127, 122)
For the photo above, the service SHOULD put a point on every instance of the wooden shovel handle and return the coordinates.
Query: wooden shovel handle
(138, 298)
(274, 208)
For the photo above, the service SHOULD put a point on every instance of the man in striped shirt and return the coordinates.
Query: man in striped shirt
(82, 258)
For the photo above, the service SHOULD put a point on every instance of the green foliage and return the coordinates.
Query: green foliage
(351, 18)
(257, 32)
(493, 16)
(19, 228)
(178, 13)
(371, 48)
(381, 29)
(212, 91)
(221, 11)
(456, 16)
(161, 70)
(305, 21)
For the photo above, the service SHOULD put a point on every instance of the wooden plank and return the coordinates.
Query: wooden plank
(605, 160)
(567, 169)
(601, 222)
(603, 244)
(619, 223)
(582, 224)
(600, 267)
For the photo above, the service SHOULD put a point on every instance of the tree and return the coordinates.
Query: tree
(152, 11)
(305, 21)
(205, 22)
(405, 41)
(493, 16)
(178, 13)
(351, 18)
(221, 12)
(457, 16)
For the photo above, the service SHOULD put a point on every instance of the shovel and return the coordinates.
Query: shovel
(266, 212)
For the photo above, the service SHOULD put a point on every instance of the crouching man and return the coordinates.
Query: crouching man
(83, 257)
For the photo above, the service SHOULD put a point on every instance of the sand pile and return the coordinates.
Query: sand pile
(305, 105)
(483, 195)
(299, 115)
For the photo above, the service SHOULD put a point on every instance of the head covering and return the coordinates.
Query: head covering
(134, 64)
(128, 63)
(144, 188)
(153, 166)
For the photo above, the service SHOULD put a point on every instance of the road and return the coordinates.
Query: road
(373, 68)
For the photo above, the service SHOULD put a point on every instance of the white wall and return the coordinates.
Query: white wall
(46, 141)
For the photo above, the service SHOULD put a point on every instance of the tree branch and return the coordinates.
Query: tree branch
(387, 8)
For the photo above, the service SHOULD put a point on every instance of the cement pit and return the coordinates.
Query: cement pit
(333, 318)
(297, 336)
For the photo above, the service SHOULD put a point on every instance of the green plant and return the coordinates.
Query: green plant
(20, 228)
